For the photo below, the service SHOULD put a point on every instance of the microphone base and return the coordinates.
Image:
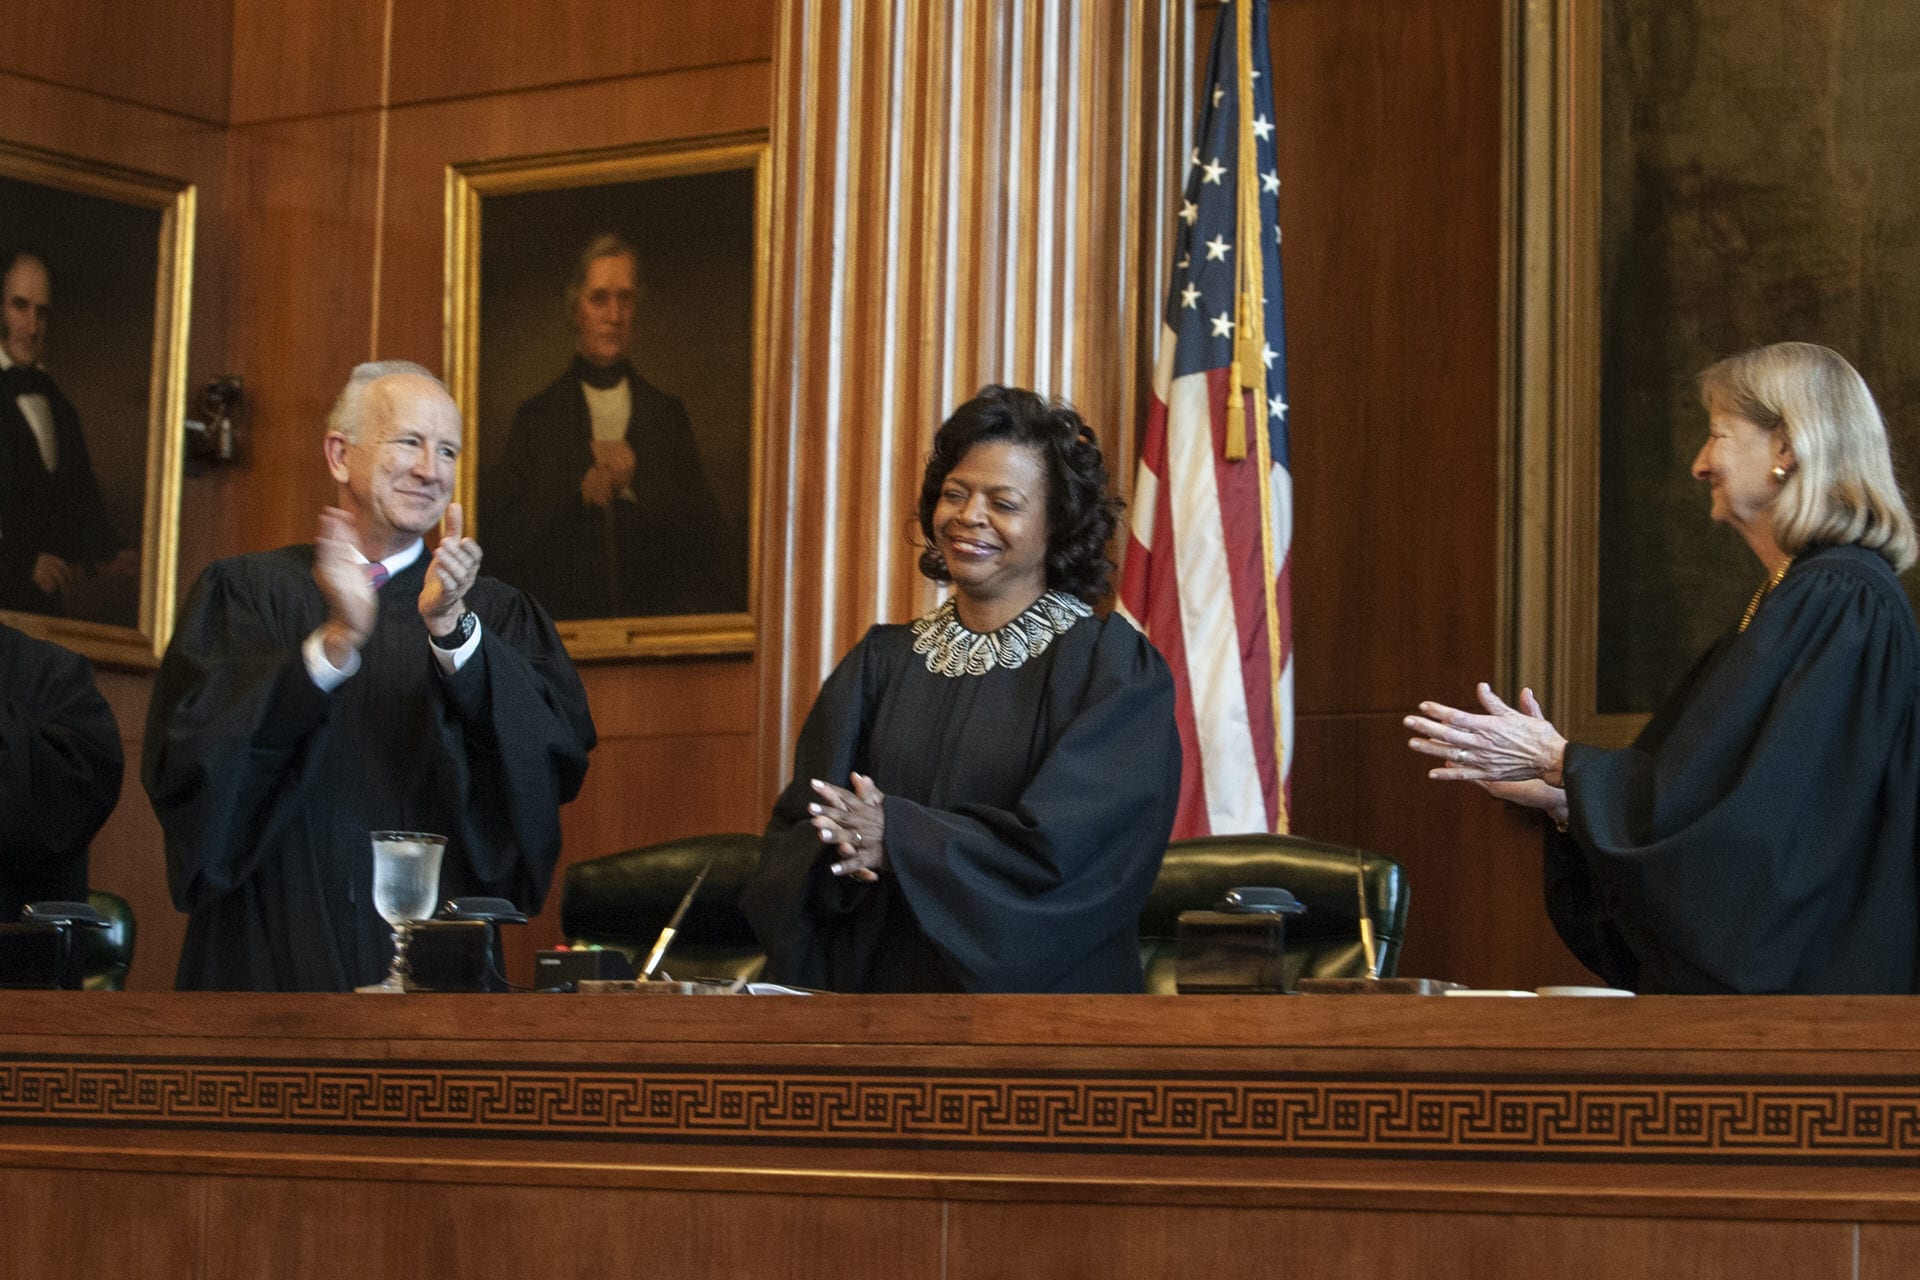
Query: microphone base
(1374, 986)
(660, 987)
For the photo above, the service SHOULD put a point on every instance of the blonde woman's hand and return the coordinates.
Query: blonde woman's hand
(1500, 745)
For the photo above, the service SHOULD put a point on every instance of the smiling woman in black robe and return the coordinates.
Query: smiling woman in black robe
(1012, 759)
(1759, 834)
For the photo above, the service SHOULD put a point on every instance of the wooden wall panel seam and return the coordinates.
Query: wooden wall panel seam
(118, 99)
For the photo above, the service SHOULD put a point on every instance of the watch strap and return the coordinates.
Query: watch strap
(461, 633)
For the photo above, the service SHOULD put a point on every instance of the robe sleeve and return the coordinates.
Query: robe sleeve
(792, 883)
(1772, 823)
(232, 709)
(1017, 898)
(60, 763)
(522, 730)
(1580, 918)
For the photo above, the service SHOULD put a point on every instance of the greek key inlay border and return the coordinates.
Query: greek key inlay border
(1686, 1118)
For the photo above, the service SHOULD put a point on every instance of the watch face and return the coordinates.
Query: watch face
(460, 634)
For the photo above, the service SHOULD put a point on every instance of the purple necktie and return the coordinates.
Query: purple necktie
(377, 574)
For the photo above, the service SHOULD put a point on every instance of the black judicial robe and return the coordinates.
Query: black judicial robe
(1759, 835)
(59, 771)
(267, 787)
(1027, 811)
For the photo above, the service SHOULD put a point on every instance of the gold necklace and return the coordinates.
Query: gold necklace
(1753, 605)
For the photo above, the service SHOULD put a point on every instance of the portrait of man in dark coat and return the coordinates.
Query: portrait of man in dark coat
(600, 506)
(54, 523)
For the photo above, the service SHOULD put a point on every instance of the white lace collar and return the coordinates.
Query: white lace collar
(952, 650)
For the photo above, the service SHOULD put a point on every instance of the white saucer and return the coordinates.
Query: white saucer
(1583, 991)
(1487, 991)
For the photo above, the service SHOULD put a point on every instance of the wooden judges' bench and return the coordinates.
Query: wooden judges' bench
(905, 1137)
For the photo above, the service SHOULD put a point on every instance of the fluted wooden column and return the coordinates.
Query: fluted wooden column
(965, 191)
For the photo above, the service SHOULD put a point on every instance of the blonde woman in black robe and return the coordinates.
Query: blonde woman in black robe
(1758, 836)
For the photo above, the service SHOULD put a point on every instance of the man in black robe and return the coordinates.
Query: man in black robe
(599, 506)
(313, 694)
(54, 522)
(59, 771)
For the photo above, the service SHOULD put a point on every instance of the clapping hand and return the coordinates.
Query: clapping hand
(856, 822)
(1504, 745)
(342, 578)
(456, 563)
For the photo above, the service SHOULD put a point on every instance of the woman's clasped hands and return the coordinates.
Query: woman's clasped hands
(855, 821)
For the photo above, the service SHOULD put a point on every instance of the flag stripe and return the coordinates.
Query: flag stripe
(1209, 616)
(1239, 485)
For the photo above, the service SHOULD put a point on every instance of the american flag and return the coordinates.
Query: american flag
(1207, 572)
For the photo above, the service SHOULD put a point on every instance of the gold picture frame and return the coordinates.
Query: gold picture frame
(1549, 584)
(117, 247)
(698, 213)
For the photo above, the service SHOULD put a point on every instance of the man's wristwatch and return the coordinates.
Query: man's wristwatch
(469, 623)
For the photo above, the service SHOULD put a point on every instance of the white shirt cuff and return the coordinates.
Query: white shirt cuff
(451, 660)
(324, 674)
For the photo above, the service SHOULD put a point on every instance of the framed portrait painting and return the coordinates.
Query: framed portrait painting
(605, 312)
(94, 291)
(1691, 178)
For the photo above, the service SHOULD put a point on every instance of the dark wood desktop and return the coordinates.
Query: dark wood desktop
(957, 1137)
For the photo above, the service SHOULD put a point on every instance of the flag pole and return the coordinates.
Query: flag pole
(1247, 376)
(1250, 355)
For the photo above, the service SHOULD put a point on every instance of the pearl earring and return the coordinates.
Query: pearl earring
(1780, 475)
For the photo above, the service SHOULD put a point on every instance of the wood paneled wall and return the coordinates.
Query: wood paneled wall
(171, 56)
(320, 133)
(1391, 134)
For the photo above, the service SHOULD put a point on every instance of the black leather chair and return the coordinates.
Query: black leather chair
(109, 951)
(1324, 943)
(624, 899)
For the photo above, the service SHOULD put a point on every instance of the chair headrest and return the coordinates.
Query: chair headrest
(1325, 877)
(632, 894)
